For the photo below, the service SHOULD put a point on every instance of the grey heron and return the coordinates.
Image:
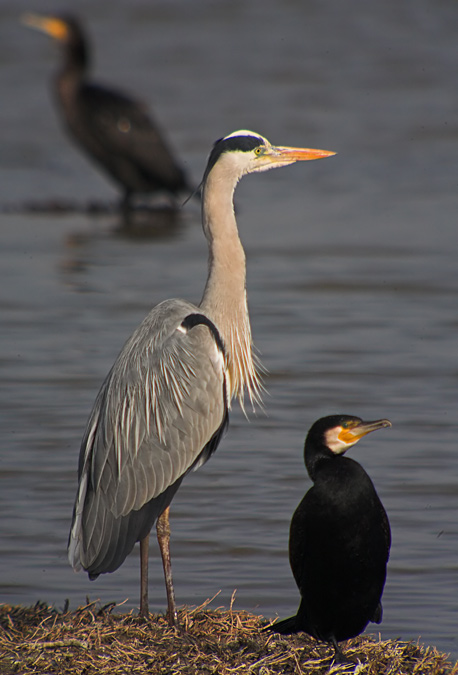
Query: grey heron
(339, 537)
(164, 405)
(115, 131)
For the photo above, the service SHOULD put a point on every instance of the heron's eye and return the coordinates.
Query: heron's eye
(259, 150)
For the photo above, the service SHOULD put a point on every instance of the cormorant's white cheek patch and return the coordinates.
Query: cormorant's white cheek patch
(335, 442)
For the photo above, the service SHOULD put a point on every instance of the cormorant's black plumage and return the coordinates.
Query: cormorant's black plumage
(115, 131)
(339, 537)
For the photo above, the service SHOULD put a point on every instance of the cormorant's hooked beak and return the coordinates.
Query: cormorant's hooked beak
(351, 435)
(51, 25)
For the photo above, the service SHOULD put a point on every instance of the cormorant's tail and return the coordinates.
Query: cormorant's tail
(285, 626)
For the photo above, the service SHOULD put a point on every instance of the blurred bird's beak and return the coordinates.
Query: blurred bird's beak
(353, 434)
(50, 25)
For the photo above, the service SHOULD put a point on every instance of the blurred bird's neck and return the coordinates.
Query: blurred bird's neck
(75, 62)
(70, 80)
(224, 300)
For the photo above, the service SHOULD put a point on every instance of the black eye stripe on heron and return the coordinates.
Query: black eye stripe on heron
(163, 407)
(232, 144)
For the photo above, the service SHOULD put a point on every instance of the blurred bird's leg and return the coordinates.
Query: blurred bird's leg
(125, 204)
(144, 576)
(163, 537)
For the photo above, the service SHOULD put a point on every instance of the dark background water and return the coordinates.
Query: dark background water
(352, 282)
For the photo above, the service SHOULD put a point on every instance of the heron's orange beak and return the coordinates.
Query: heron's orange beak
(298, 154)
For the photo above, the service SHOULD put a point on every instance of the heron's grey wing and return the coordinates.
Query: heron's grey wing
(161, 406)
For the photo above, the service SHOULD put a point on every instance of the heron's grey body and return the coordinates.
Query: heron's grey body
(164, 405)
(159, 414)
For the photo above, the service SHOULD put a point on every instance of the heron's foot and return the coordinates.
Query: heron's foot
(144, 612)
(172, 617)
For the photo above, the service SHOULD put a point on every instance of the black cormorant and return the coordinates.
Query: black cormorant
(113, 130)
(339, 538)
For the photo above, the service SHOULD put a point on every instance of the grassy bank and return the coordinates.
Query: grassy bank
(96, 640)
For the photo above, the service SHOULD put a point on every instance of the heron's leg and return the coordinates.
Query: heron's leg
(163, 537)
(144, 576)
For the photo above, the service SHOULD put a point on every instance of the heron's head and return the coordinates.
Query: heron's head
(245, 152)
(340, 432)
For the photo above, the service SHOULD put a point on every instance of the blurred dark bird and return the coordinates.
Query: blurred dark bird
(340, 537)
(115, 131)
(164, 405)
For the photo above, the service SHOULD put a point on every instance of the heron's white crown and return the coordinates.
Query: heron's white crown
(246, 132)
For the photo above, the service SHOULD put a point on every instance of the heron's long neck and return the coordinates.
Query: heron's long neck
(224, 299)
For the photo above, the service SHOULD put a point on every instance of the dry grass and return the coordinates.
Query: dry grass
(94, 640)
